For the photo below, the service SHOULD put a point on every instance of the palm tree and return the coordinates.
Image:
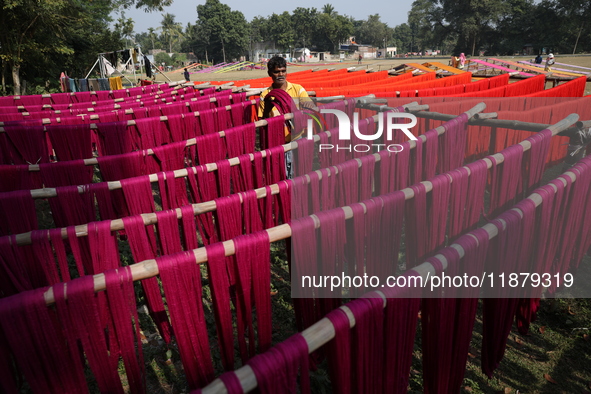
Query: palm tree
(151, 34)
(171, 29)
(328, 9)
(125, 27)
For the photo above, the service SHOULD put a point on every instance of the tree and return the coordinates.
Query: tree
(513, 30)
(373, 31)
(162, 57)
(151, 40)
(258, 32)
(190, 37)
(575, 17)
(124, 27)
(223, 30)
(38, 35)
(259, 29)
(152, 35)
(146, 5)
(426, 29)
(332, 26)
(501, 26)
(170, 30)
(178, 59)
(23, 24)
(469, 19)
(200, 40)
(304, 22)
(280, 29)
(403, 38)
(328, 9)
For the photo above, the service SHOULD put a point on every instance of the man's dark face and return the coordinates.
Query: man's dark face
(278, 74)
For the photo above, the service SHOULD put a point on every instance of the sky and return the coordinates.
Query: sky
(393, 13)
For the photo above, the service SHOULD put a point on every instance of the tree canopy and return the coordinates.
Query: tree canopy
(42, 38)
(222, 30)
(502, 26)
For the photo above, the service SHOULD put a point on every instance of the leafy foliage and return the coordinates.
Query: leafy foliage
(222, 30)
(162, 57)
(501, 26)
(373, 31)
(172, 31)
(280, 28)
(304, 24)
(42, 38)
(124, 27)
(333, 27)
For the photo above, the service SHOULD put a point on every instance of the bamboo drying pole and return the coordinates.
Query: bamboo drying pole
(578, 138)
(198, 208)
(149, 268)
(190, 142)
(487, 119)
(48, 95)
(149, 152)
(328, 98)
(209, 206)
(48, 192)
(579, 135)
(490, 115)
(162, 96)
(174, 85)
(323, 331)
(130, 111)
(508, 124)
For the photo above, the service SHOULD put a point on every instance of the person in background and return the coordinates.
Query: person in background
(359, 59)
(187, 75)
(549, 63)
(538, 59)
(462, 61)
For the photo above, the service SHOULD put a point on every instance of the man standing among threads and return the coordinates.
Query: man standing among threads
(275, 101)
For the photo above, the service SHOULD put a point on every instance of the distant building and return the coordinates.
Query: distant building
(353, 48)
(302, 54)
(390, 51)
(367, 51)
(322, 57)
(263, 50)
